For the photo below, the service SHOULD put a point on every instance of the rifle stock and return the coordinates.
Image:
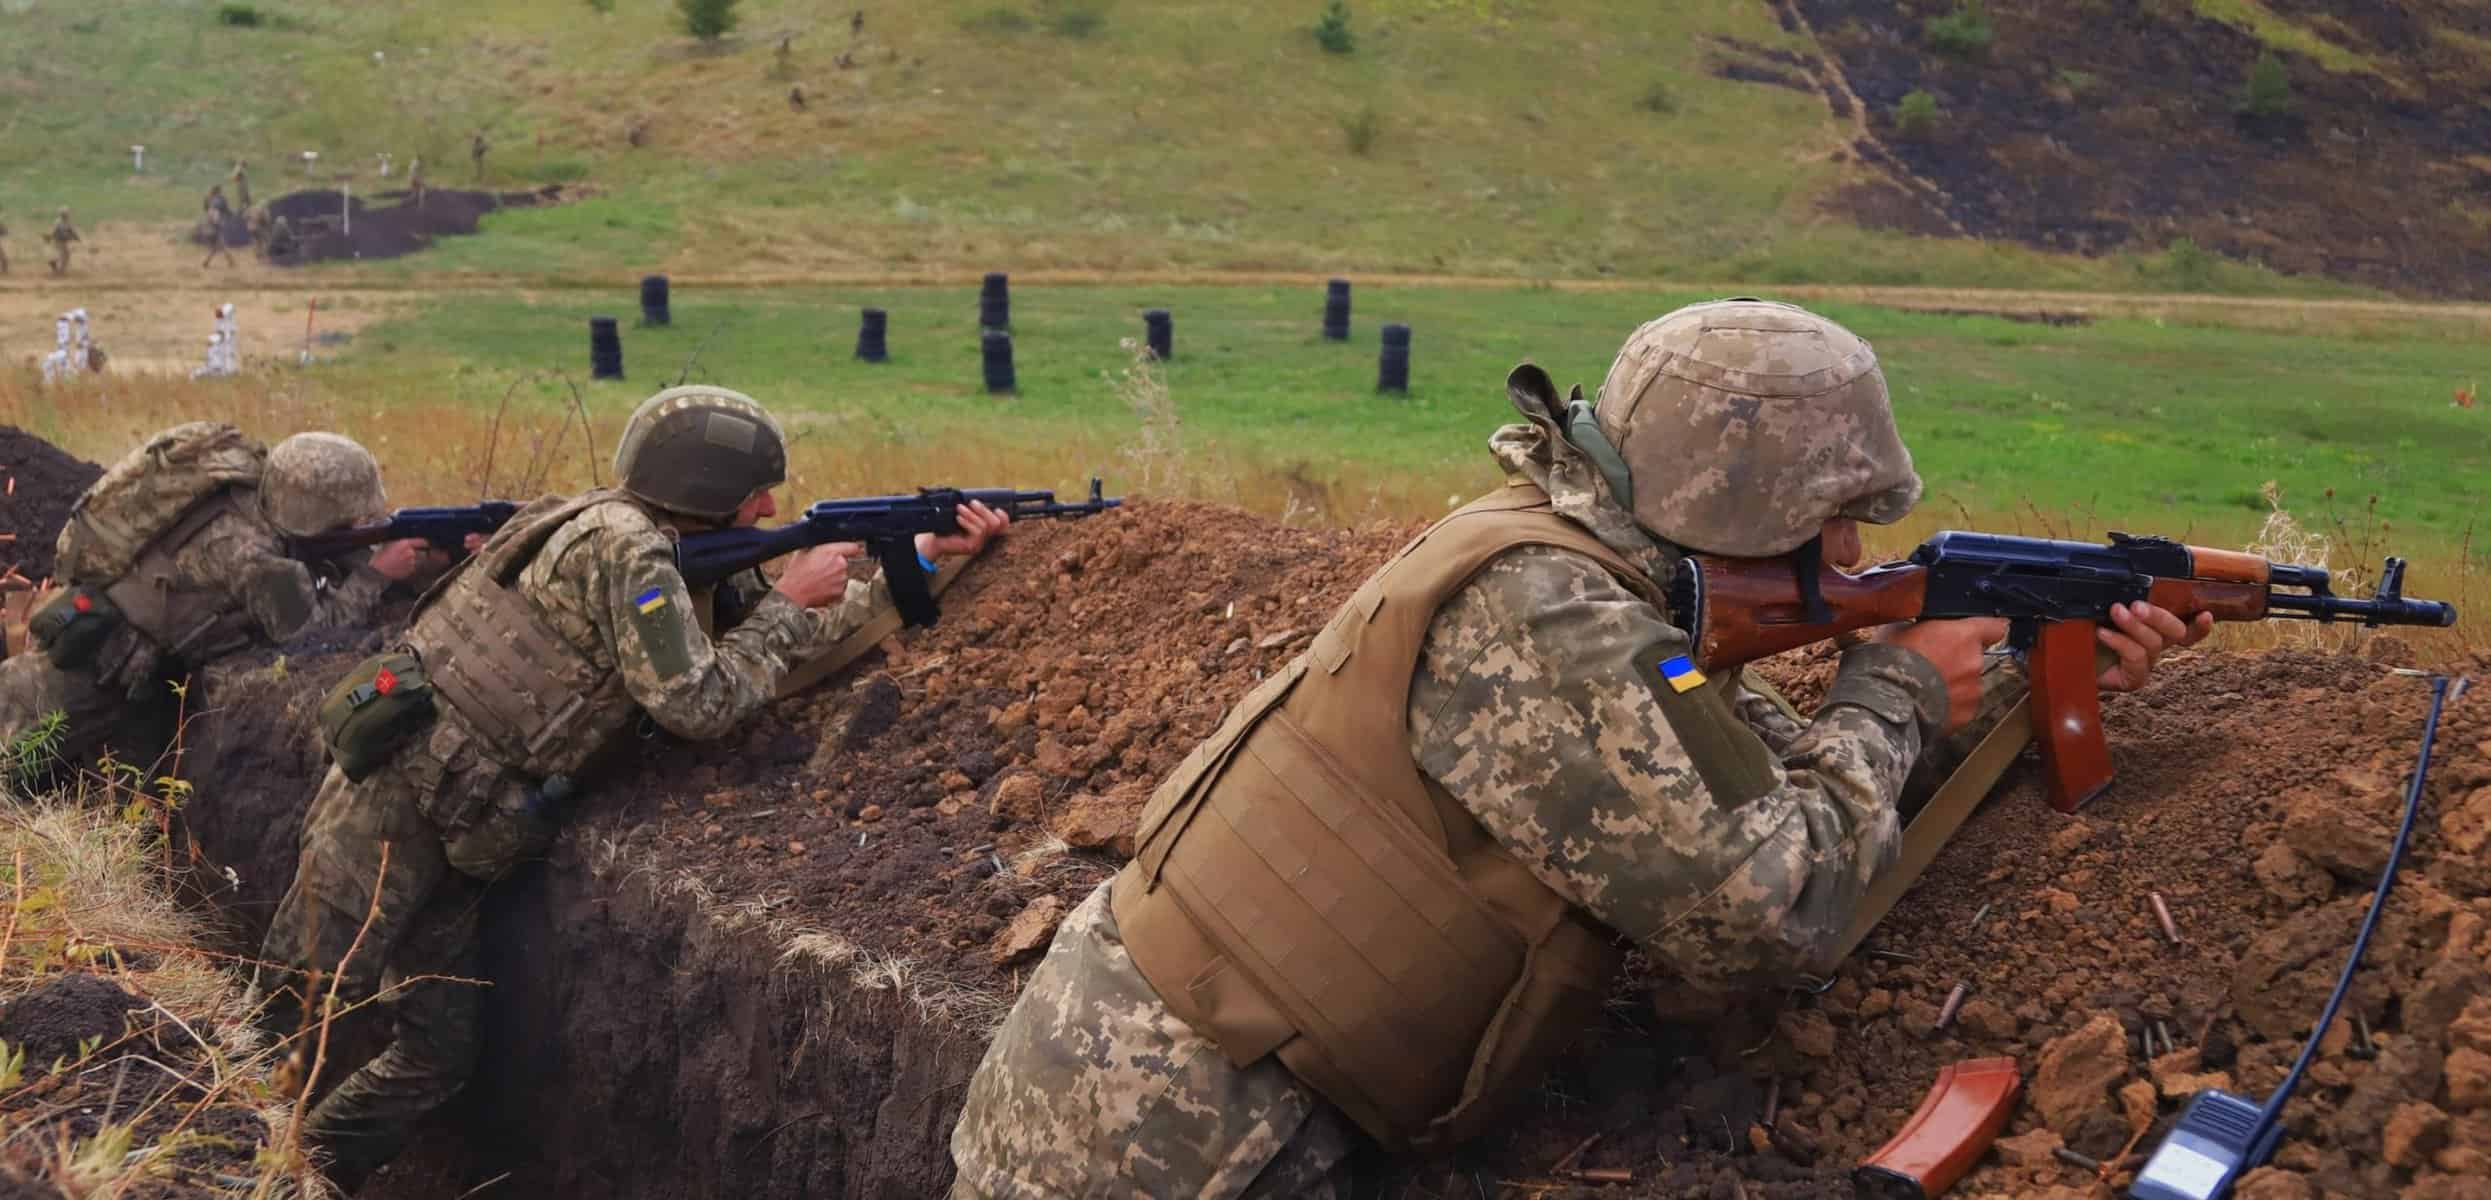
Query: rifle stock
(2054, 594)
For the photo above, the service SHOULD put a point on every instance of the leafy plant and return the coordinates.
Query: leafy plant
(708, 20)
(1332, 30)
(1361, 129)
(1657, 98)
(1963, 33)
(2268, 90)
(1917, 116)
(240, 16)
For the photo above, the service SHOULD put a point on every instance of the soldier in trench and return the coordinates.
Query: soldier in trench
(544, 650)
(176, 557)
(1288, 967)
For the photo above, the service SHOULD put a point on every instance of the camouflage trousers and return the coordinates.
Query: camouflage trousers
(1095, 1090)
(421, 935)
(96, 715)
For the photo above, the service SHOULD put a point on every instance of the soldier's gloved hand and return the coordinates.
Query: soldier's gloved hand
(1954, 648)
(402, 558)
(818, 575)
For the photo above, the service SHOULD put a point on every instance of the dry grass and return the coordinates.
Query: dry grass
(88, 892)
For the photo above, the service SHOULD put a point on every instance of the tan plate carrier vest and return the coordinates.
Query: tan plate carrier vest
(195, 625)
(539, 703)
(1300, 888)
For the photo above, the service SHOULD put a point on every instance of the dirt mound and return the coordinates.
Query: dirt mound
(38, 483)
(2094, 128)
(1078, 664)
(119, 1067)
(53, 1020)
(324, 228)
(917, 820)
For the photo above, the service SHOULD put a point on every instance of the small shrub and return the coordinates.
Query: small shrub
(1657, 98)
(1963, 33)
(1332, 30)
(1361, 129)
(240, 16)
(707, 20)
(1076, 19)
(2189, 265)
(999, 19)
(2268, 90)
(1917, 116)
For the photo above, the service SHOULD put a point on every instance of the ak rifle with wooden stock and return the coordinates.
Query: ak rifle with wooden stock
(2053, 595)
(887, 525)
(445, 528)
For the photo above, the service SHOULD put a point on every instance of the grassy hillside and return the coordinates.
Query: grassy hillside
(1516, 137)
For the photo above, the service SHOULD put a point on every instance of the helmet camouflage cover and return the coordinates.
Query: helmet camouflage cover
(316, 482)
(700, 450)
(1745, 425)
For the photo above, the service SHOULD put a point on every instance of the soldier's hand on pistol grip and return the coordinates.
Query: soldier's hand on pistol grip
(818, 575)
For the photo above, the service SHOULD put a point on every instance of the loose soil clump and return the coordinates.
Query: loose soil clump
(38, 484)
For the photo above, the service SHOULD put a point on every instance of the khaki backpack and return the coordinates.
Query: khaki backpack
(147, 493)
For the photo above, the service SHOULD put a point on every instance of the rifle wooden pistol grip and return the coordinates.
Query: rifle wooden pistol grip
(2067, 714)
(1962, 1114)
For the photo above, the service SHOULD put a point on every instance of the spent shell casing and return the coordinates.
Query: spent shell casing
(2168, 1045)
(2162, 913)
(2073, 1159)
(1954, 1003)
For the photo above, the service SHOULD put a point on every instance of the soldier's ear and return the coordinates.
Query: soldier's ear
(1534, 395)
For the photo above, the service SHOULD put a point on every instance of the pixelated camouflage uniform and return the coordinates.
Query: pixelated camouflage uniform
(454, 820)
(62, 235)
(239, 555)
(1532, 706)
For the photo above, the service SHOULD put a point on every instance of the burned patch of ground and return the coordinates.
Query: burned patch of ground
(331, 225)
(2095, 127)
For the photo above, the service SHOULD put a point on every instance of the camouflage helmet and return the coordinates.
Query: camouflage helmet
(316, 482)
(700, 450)
(1742, 426)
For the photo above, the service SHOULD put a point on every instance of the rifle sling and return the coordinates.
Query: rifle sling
(852, 647)
(1944, 814)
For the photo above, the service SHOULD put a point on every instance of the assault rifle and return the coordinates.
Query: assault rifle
(888, 525)
(446, 528)
(2052, 593)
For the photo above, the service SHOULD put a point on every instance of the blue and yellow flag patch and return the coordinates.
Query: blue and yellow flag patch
(650, 601)
(1680, 672)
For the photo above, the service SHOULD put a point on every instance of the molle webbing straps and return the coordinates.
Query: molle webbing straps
(179, 621)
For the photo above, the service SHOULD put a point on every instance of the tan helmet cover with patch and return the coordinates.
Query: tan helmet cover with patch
(1745, 425)
(315, 482)
(700, 450)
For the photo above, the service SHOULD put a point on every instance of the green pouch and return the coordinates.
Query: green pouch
(376, 708)
(72, 626)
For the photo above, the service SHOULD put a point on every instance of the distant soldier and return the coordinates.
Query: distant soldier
(475, 152)
(4, 248)
(63, 235)
(415, 178)
(217, 215)
(281, 240)
(242, 184)
(795, 97)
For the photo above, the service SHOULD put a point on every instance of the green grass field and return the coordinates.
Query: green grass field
(2121, 423)
(1497, 137)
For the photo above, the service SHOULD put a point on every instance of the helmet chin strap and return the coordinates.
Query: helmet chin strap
(1584, 433)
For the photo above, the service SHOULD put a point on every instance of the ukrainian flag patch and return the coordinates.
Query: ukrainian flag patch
(655, 598)
(1680, 672)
